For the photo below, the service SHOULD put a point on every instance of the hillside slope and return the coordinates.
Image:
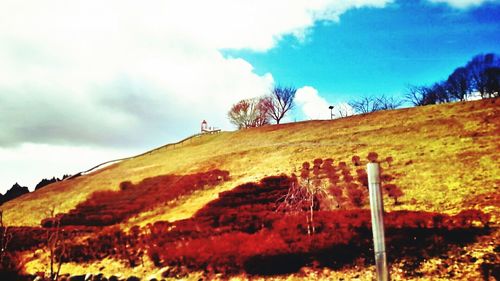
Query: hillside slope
(446, 157)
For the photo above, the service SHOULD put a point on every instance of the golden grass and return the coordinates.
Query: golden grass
(454, 151)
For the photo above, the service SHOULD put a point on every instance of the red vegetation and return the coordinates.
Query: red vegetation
(389, 160)
(111, 207)
(317, 162)
(393, 191)
(339, 183)
(24, 237)
(244, 230)
(357, 196)
(356, 160)
(240, 232)
(372, 157)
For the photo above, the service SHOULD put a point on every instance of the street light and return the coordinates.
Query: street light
(331, 112)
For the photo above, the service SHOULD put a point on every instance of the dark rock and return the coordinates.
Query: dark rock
(133, 278)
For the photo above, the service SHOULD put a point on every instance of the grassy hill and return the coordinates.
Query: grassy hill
(446, 159)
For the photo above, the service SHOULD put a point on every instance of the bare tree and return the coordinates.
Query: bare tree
(420, 95)
(365, 105)
(249, 113)
(479, 74)
(279, 102)
(440, 91)
(492, 84)
(344, 110)
(56, 246)
(261, 115)
(459, 86)
(385, 103)
(305, 194)
(414, 95)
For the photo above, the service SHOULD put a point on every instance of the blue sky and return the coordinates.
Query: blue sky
(83, 82)
(374, 51)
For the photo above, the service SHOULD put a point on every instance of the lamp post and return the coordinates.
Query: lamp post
(331, 112)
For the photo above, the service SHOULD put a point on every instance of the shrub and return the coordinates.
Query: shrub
(356, 160)
(343, 165)
(241, 232)
(317, 162)
(372, 157)
(389, 160)
(306, 166)
(393, 191)
(104, 208)
(356, 197)
(126, 185)
(11, 267)
(328, 162)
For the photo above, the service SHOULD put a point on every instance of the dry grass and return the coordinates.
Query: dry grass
(453, 150)
(446, 158)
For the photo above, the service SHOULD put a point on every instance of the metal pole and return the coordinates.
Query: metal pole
(377, 209)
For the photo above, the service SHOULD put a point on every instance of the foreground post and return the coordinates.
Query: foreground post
(377, 209)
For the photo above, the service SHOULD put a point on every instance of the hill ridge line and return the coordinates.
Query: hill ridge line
(131, 157)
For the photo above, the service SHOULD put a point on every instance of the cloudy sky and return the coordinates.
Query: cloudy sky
(82, 82)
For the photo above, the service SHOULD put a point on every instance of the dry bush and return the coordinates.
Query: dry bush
(372, 157)
(104, 208)
(356, 160)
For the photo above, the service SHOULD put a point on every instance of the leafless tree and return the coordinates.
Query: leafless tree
(441, 91)
(481, 77)
(55, 245)
(305, 194)
(419, 95)
(492, 81)
(279, 102)
(261, 115)
(459, 86)
(302, 196)
(385, 103)
(249, 113)
(344, 110)
(365, 105)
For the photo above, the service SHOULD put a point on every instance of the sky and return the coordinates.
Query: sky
(83, 82)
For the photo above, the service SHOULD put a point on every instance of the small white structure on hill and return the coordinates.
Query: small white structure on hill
(206, 129)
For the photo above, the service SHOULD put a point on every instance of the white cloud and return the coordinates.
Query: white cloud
(46, 161)
(343, 109)
(315, 107)
(126, 73)
(118, 72)
(463, 4)
(312, 105)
